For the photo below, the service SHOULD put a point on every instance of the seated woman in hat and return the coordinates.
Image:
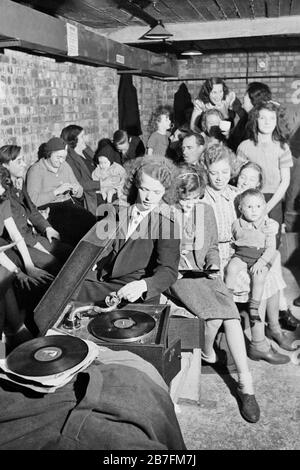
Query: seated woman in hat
(51, 183)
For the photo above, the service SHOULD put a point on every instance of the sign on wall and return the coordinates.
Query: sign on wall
(72, 39)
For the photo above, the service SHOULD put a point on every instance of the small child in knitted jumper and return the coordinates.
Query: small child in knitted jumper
(255, 245)
(111, 176)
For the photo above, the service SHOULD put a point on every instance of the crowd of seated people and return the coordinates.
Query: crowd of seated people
(227, 148)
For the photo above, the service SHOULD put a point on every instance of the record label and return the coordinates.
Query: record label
(124, 323)
(122, 326)
(47, 355)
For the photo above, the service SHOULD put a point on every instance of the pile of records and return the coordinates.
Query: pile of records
(47, 363)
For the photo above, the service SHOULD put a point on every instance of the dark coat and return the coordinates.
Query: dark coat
(106, 407)
(182, 105)
(136, 148)
(84, 178)
(129, 115)
(22, 208)
(152, 256)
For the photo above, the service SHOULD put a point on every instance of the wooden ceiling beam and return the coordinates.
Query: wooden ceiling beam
(295, 7)
(136, 11)
(39, 32)
(272, 8)
(243, 8)
(31, 26)
(284, 8)
(259, 8)
(198, 31)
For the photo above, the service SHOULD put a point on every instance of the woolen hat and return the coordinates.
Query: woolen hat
(54, 144)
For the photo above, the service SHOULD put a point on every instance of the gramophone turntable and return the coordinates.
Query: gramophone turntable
(144, 327)
(139, 328)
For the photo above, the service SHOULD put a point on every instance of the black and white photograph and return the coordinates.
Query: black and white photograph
(149, 229)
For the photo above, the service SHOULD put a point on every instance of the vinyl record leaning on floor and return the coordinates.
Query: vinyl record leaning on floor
(47, 355)
(122, 326)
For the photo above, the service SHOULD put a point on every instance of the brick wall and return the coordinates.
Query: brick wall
(39, 96)
(151, 94)
(282, 75)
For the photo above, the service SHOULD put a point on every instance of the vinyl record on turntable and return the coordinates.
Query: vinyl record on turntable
(47, 355)
(122, 326)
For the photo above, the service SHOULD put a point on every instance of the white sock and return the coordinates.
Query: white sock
(245, 382)
(211, 358)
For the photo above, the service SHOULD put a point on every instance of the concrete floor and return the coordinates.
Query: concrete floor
(216, 424)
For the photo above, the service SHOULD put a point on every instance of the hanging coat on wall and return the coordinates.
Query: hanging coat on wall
(182, 105)
(129, 116)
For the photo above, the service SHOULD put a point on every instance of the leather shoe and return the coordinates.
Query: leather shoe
(297, 301)
(282, 339)
(248, 407)
(271, 356)
(287, 320)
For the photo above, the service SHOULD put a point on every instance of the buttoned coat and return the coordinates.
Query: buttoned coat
(150, 253)
(84, 177)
